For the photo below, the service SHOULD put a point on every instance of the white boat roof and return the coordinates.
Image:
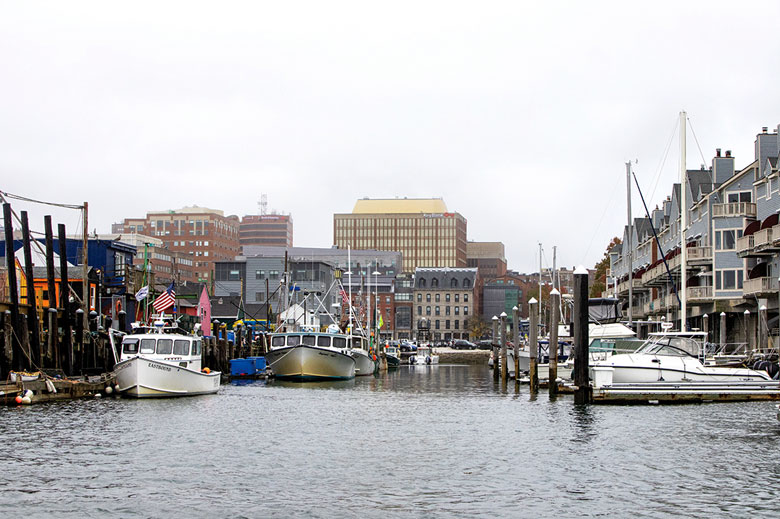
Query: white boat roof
(610, 330)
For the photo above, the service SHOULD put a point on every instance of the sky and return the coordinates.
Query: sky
(520, 115)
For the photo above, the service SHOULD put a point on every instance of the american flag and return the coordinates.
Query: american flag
(164, 300)
(344, 297)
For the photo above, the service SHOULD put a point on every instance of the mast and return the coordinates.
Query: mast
(683, 226)
(540, 286)
(368, 299)
(629, 247)
(85, 284)
(349, 273)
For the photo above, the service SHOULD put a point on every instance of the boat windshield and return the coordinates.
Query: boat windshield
(164, 347)
(181, 347)
(277, 341)
(147, 345)
(323, 340)
(196, 347)
(671, 345)
(339, 342)
(309, 340)
(293, 340)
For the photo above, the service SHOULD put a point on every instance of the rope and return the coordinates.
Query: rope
(663, 160)
(25, 199)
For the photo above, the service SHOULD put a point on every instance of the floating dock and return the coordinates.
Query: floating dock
(57, 389)
(686, 392)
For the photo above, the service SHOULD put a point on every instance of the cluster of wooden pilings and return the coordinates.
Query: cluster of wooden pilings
(62, 337)
(582, 388)
(217, 351)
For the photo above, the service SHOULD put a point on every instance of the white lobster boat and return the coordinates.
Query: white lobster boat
(159, 364)
(306, 356)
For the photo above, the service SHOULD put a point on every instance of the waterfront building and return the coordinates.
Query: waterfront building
(487, 257)
(732, 241)
(273, 230)
(500, 295)
(421, 229)
(446, 299)
(206, 235)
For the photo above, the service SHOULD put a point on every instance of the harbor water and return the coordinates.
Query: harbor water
(430, 441)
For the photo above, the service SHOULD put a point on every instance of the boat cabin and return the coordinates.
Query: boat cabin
(181, 350)
(677, 344)
(322, 340)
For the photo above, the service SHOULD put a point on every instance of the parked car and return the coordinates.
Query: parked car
(485, 344)
(408, 346)
(461, 344)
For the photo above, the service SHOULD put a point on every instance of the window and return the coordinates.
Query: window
(457, 324)
(419, 298)
(164, 347)
(447, 310)
(438, 298)
(260, 296)
(181, 347)
(744, 196)
(233, 275)
(196, 347)
(259, 274)
(465, 310)
(447, 324)
(130, 346)
(323, 340)
(421, 283)
(453, 283)
(457, 310)
(427, 298)
(339, 342)
(427, 310)
(435, 283)
(437, 310)
(446, 298)
(728, 279)
(466, 283)
(147, 345)
(727, 239)
(457, 298)
(273, 274)
(438, 324)
(419, 310)
(465, 298)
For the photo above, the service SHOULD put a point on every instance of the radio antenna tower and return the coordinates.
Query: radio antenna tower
(263, 203)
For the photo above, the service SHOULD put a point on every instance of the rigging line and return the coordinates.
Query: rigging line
(663, 159)
(25, 199)
(598, 226)
(703, 160)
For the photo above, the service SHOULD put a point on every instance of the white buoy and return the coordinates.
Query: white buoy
(98, 395)
(28, 393)
(109, 390)
(27, 400)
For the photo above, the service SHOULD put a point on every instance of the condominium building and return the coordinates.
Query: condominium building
(421, 229)
(732, 242)
(205, 235)
(274, 230)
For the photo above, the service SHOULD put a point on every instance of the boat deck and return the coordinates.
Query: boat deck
(687, 392)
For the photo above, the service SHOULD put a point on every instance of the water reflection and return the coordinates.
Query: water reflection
(584, 422)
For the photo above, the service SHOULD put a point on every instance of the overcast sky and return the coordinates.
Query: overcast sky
(521, 115)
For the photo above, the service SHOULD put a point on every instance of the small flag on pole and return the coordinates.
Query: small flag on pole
(165, 300)
(344, 297)
(141, 294)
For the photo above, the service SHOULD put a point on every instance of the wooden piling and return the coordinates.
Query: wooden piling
(552, 347)
(516, 343)
(67, 338)
(584, 393)
(533, 345)
(79, 346)
(53, 328)
(8, 350)
(494, 347)
(12, 286)
(36, 351)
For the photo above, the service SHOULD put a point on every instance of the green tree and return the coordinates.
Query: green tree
(600, 281)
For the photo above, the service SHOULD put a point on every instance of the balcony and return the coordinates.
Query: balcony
(701, 295)
(759, 287)
(637, 285)
(746, 209)
(745, 245)
(699, 255)
(763, 240)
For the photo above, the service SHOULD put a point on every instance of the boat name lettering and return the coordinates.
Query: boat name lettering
(157, 366)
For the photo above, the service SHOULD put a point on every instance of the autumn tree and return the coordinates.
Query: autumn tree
(477, 327)
(600, 278)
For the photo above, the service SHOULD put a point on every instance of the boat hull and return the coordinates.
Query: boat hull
(393, 361)
(140, 377)
(650, 368)
(364, 365)
(305, 363)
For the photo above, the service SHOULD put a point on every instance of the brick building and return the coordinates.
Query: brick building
(446, 297)
(274, 230)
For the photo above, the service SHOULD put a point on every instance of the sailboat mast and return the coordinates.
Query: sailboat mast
(629, 247)
(683, 228)
(540, 286)
(349, 273)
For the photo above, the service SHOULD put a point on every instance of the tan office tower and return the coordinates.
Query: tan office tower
(421, 229)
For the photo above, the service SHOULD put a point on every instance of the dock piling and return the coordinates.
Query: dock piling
(67, 338)
(504, 366)
(13, 293)
(533, 345)
(583, 393)
(36, 351)
(552, 347)
(516, 343)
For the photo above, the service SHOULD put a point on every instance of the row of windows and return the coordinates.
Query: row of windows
(446, 298)
(437, 310)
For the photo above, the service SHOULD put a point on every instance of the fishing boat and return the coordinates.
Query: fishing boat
(159, 362)
(308, 356)
(393, 356)
(424, 355)
(365, 362)
(671, 357)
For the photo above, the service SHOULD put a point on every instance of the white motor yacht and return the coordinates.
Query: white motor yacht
(671, 357)
(163, 364)
(423, 355)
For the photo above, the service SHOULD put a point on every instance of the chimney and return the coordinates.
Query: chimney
(717, 152)
(728, 153)
(764, 129)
